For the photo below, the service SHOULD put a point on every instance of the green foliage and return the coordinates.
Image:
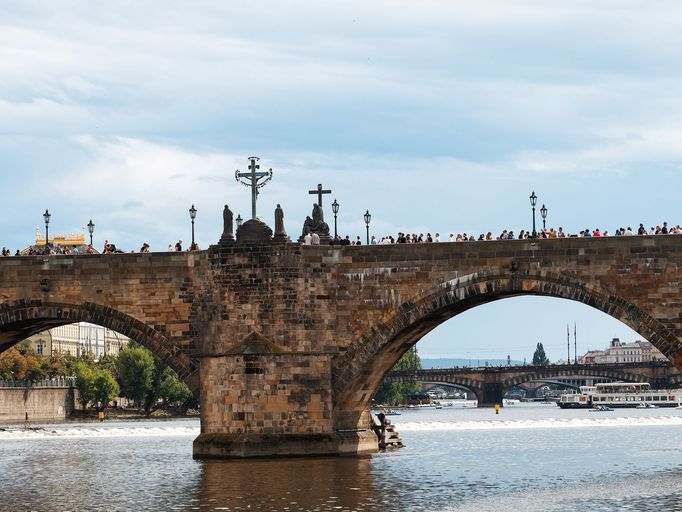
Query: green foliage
(136, 372)
(109, 363)
(393, 393)
(85, 378)
(539, 357)
(172, 390)
(104, 388)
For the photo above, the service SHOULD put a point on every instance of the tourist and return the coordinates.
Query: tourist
(308, 239)
(315, 239)
(178, 246)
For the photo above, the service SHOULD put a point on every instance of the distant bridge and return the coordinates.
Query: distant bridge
(490, 383)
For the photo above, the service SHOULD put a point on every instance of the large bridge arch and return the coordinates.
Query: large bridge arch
(360, 370)
(21, 319)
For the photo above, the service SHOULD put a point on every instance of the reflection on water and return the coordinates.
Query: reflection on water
(299, 484)
(529, 459)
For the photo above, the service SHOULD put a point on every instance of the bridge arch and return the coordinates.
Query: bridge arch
(548, 375)
(359, 371)
(21, 319)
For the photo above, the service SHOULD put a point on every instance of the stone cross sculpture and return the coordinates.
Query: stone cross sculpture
(253, 180)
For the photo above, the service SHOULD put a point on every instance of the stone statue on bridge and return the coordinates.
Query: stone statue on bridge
(228, 228)
(316, 224)
(280, 233)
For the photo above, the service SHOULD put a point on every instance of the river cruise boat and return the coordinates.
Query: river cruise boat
(620, 394)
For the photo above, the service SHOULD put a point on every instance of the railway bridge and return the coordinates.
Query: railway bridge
(285, 345)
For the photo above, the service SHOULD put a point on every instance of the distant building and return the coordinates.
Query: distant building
(619, 352)
(77, 339)
(70, 243)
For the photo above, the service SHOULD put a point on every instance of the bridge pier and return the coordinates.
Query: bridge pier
(263, 402)
(492, 394)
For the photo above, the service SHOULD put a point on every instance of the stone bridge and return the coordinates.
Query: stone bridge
(489, 384)
(285, 345)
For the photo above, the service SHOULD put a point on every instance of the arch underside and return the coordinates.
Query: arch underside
(21, 319)
(358, 373)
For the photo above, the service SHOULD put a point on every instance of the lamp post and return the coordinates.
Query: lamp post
(239, 220)
(91, 230)
(543, 214)
(335, 209)
(192, 215)
(46, 216)
(368, 217)
(533, 202)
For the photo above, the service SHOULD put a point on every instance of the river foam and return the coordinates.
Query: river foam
(92, 431)
(412, 426)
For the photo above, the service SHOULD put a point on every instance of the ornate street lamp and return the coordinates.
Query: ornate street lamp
(368, 217)
(46, 216)
(91, 230)
(335, 209)
(533, 202)
(192, 215)
(543, 214)
(239, 220)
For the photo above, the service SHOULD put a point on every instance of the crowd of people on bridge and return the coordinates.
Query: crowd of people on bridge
(404, 238)
(400, 238)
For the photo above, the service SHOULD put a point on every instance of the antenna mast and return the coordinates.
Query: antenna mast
(568, 343)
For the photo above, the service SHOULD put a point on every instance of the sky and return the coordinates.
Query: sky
(436, 116)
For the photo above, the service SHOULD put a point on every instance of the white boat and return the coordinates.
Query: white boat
(620, 394)
(510, 401)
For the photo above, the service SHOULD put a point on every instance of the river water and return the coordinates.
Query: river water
(529, 457)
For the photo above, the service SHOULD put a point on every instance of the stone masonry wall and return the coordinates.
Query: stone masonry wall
(270, 394)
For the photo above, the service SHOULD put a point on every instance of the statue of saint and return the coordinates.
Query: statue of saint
(227, 222)
(318, 216)
(279, 221)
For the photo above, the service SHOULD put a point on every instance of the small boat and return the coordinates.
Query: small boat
(391, 412)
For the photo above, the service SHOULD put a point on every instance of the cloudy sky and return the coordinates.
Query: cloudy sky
(434, 115)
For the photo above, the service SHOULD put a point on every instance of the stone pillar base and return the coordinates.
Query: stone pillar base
(242, 446)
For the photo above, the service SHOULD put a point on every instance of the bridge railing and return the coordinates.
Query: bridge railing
(59, 382)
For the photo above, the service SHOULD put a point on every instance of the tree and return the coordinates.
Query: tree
(85, 378)
(393, 393)
(104, 388)
(136, 371)
(21, 363)
(539, 357)
(172, 390)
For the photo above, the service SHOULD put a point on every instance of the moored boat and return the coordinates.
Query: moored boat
(620, 394)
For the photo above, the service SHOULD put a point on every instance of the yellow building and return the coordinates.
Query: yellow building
(68, 240)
